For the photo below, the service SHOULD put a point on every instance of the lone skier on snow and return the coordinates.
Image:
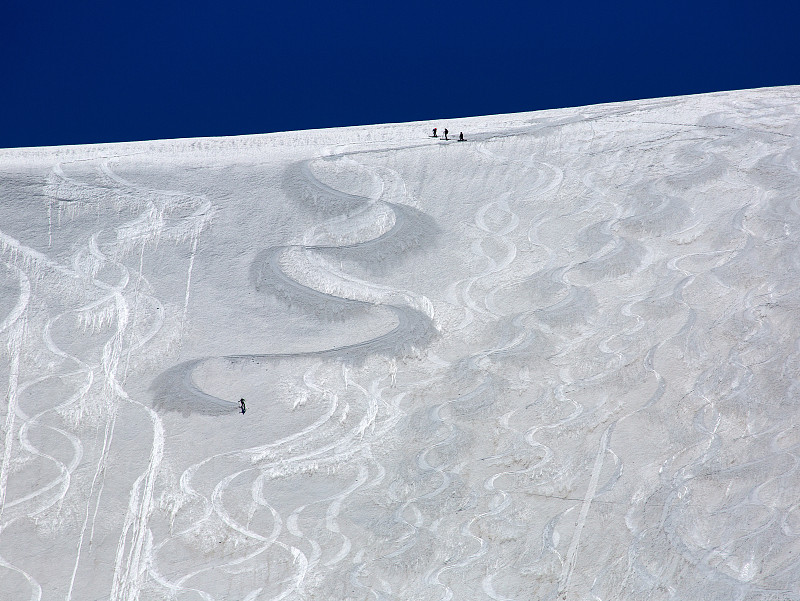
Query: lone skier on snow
(242, 406)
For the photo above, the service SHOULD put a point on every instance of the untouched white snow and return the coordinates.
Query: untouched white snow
(556, 361)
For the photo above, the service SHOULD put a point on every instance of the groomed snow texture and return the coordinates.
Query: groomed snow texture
(557, 361)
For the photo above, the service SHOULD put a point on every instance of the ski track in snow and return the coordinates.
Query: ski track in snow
(558, 362)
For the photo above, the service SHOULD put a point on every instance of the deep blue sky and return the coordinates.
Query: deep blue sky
(86, 71)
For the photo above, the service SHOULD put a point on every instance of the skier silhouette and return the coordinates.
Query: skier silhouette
(445, 133)
(241, 406)
(434, 133)
(461, 136)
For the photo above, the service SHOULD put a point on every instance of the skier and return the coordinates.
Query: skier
(445, 133)
(461, 136)
(241, 406)
(434, 133)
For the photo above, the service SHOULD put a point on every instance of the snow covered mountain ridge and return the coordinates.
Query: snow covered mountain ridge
(558, 360)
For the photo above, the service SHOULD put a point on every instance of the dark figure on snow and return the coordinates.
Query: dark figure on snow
(445, 133)
(241, 406)
(434, 133)
(461, 136)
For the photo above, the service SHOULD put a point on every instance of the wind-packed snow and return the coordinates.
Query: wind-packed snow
(558, 360)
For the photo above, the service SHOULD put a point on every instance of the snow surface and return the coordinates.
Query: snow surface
(557, 361)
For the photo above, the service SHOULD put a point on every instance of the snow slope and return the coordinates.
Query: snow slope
(556, 361)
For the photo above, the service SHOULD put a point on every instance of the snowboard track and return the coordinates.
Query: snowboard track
(411, 231)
